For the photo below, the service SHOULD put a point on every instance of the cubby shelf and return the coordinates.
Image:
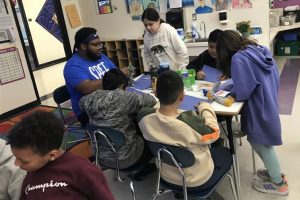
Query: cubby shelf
(125, 52)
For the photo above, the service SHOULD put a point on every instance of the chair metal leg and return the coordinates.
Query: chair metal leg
(253, 161)
(233, 188)
(235, 174)
(132, 189)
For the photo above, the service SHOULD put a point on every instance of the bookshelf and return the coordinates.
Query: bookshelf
(125, 52)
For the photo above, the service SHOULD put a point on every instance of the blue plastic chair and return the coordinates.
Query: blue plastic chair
(114, 139)
(181, 158)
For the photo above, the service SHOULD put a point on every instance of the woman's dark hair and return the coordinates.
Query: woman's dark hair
(42, 131)
(113, 79)
(213, 36)
(151, 14)
(168, 87)
(228, 43)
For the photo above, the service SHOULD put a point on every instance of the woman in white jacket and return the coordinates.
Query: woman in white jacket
(162, 43)
(11, 175)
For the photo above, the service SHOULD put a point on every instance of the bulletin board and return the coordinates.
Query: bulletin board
(11, 68)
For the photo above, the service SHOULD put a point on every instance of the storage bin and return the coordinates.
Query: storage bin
(289, 36)
(287, 48)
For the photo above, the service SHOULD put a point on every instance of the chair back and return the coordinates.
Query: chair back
(61, 95)
(184, 157)
(115, 137)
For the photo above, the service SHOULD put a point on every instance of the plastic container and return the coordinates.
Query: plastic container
(163, 66)
(194, 30)
(188, 77)
(180, 32)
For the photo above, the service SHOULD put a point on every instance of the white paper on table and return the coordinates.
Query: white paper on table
(222, 93)
(163, 6)
(175, 3)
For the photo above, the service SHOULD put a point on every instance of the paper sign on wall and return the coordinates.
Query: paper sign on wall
(73, 15)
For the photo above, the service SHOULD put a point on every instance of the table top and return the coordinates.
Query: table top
(219, 109)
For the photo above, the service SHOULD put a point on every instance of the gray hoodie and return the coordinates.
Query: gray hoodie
(118, 109)
(11, 175)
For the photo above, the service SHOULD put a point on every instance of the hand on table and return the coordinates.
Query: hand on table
(200, 75)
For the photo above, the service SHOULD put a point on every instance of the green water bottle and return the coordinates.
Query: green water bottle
(186, 79)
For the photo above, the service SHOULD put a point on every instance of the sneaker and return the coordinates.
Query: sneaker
(270, 187)
(263, 174)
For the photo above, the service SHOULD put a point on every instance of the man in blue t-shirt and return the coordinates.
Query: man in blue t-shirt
(84, 70)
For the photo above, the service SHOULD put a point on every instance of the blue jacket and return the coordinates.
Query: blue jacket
(256, 81)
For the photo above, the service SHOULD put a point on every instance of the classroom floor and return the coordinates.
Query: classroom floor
(287, 154)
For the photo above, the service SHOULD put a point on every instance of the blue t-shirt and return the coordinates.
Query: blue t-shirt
(78, 69)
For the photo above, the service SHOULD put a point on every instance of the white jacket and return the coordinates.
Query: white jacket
(11, 175)
(165, 46)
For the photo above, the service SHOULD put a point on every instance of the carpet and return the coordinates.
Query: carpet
(79, 148)
(288, 85)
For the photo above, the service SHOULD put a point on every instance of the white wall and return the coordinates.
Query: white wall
(258, 15)
(117, 25)
(50, 78)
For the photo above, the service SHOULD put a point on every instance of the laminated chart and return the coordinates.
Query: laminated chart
(11, 68)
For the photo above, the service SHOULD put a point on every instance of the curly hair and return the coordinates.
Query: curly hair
(41, 131)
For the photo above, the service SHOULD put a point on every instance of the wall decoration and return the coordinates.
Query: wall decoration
(6, 22)
(241, 4)
(283, 4)
(175, 3)
(186, 3)
(219, 5)
(48, 20)
(104, 6)
(151, 4)
(203, 6)
(11, 68)
(73, 15)
(136, 9)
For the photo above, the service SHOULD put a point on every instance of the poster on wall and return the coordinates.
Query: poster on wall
(104, 6)
(11, 68)
(236, 4)
(219, 5)
(151, 4)
(284, 4)
(203, 6)
(136, 9)
(186, 3)
(48, 20)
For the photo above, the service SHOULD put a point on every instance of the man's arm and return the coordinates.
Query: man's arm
(88, 86)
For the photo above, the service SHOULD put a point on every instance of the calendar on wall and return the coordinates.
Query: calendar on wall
(11, 68)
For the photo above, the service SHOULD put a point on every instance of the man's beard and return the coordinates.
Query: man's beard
(92, 56)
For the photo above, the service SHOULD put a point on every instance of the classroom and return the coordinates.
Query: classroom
(87, 47)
